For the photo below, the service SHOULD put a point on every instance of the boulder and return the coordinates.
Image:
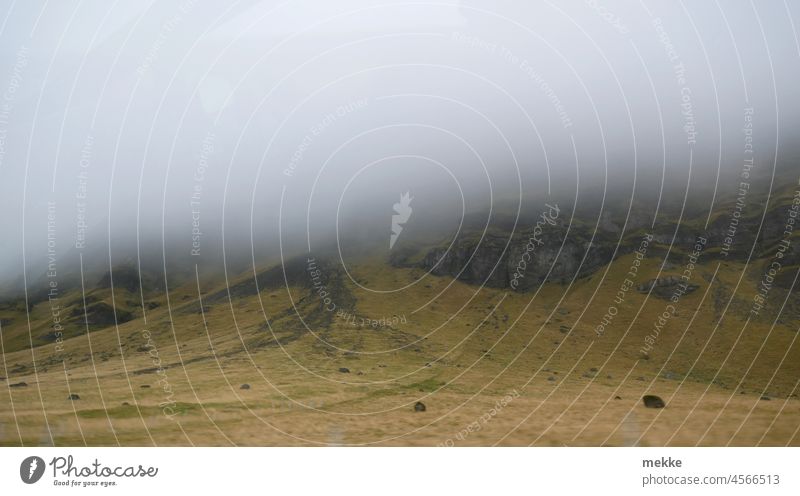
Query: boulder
(653, 401)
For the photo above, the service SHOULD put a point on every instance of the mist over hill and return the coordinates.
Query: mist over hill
(353, 223)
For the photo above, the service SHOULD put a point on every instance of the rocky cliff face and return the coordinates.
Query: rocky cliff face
(559, 252)
(525, 260)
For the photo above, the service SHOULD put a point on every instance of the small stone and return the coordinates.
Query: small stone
(652, 401)
(73, 397)
(145, 386)
(766, 398)
(617, 397)
(419, 406)
(551, 378)
(244, 386)
(125, 403)
(344, 370)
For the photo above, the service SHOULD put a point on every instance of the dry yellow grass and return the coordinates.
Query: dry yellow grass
(460, 354)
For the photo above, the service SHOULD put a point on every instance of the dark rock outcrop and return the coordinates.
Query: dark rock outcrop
(100, 314)
(653, 401)
(496, 260)
(125, 277)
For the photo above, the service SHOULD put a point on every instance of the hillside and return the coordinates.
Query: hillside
(306, 352)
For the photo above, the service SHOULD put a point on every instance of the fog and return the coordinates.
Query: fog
(270, 127)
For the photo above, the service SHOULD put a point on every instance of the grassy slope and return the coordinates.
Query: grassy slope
(460, 350)
(459, 362)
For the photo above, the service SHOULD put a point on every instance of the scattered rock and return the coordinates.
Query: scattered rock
(18, 385)
(617, 397)
(551, 378)
(73, 397)
(344, 370)
(419, 406)
(593, 369)
(244, 386)
(653, 401)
